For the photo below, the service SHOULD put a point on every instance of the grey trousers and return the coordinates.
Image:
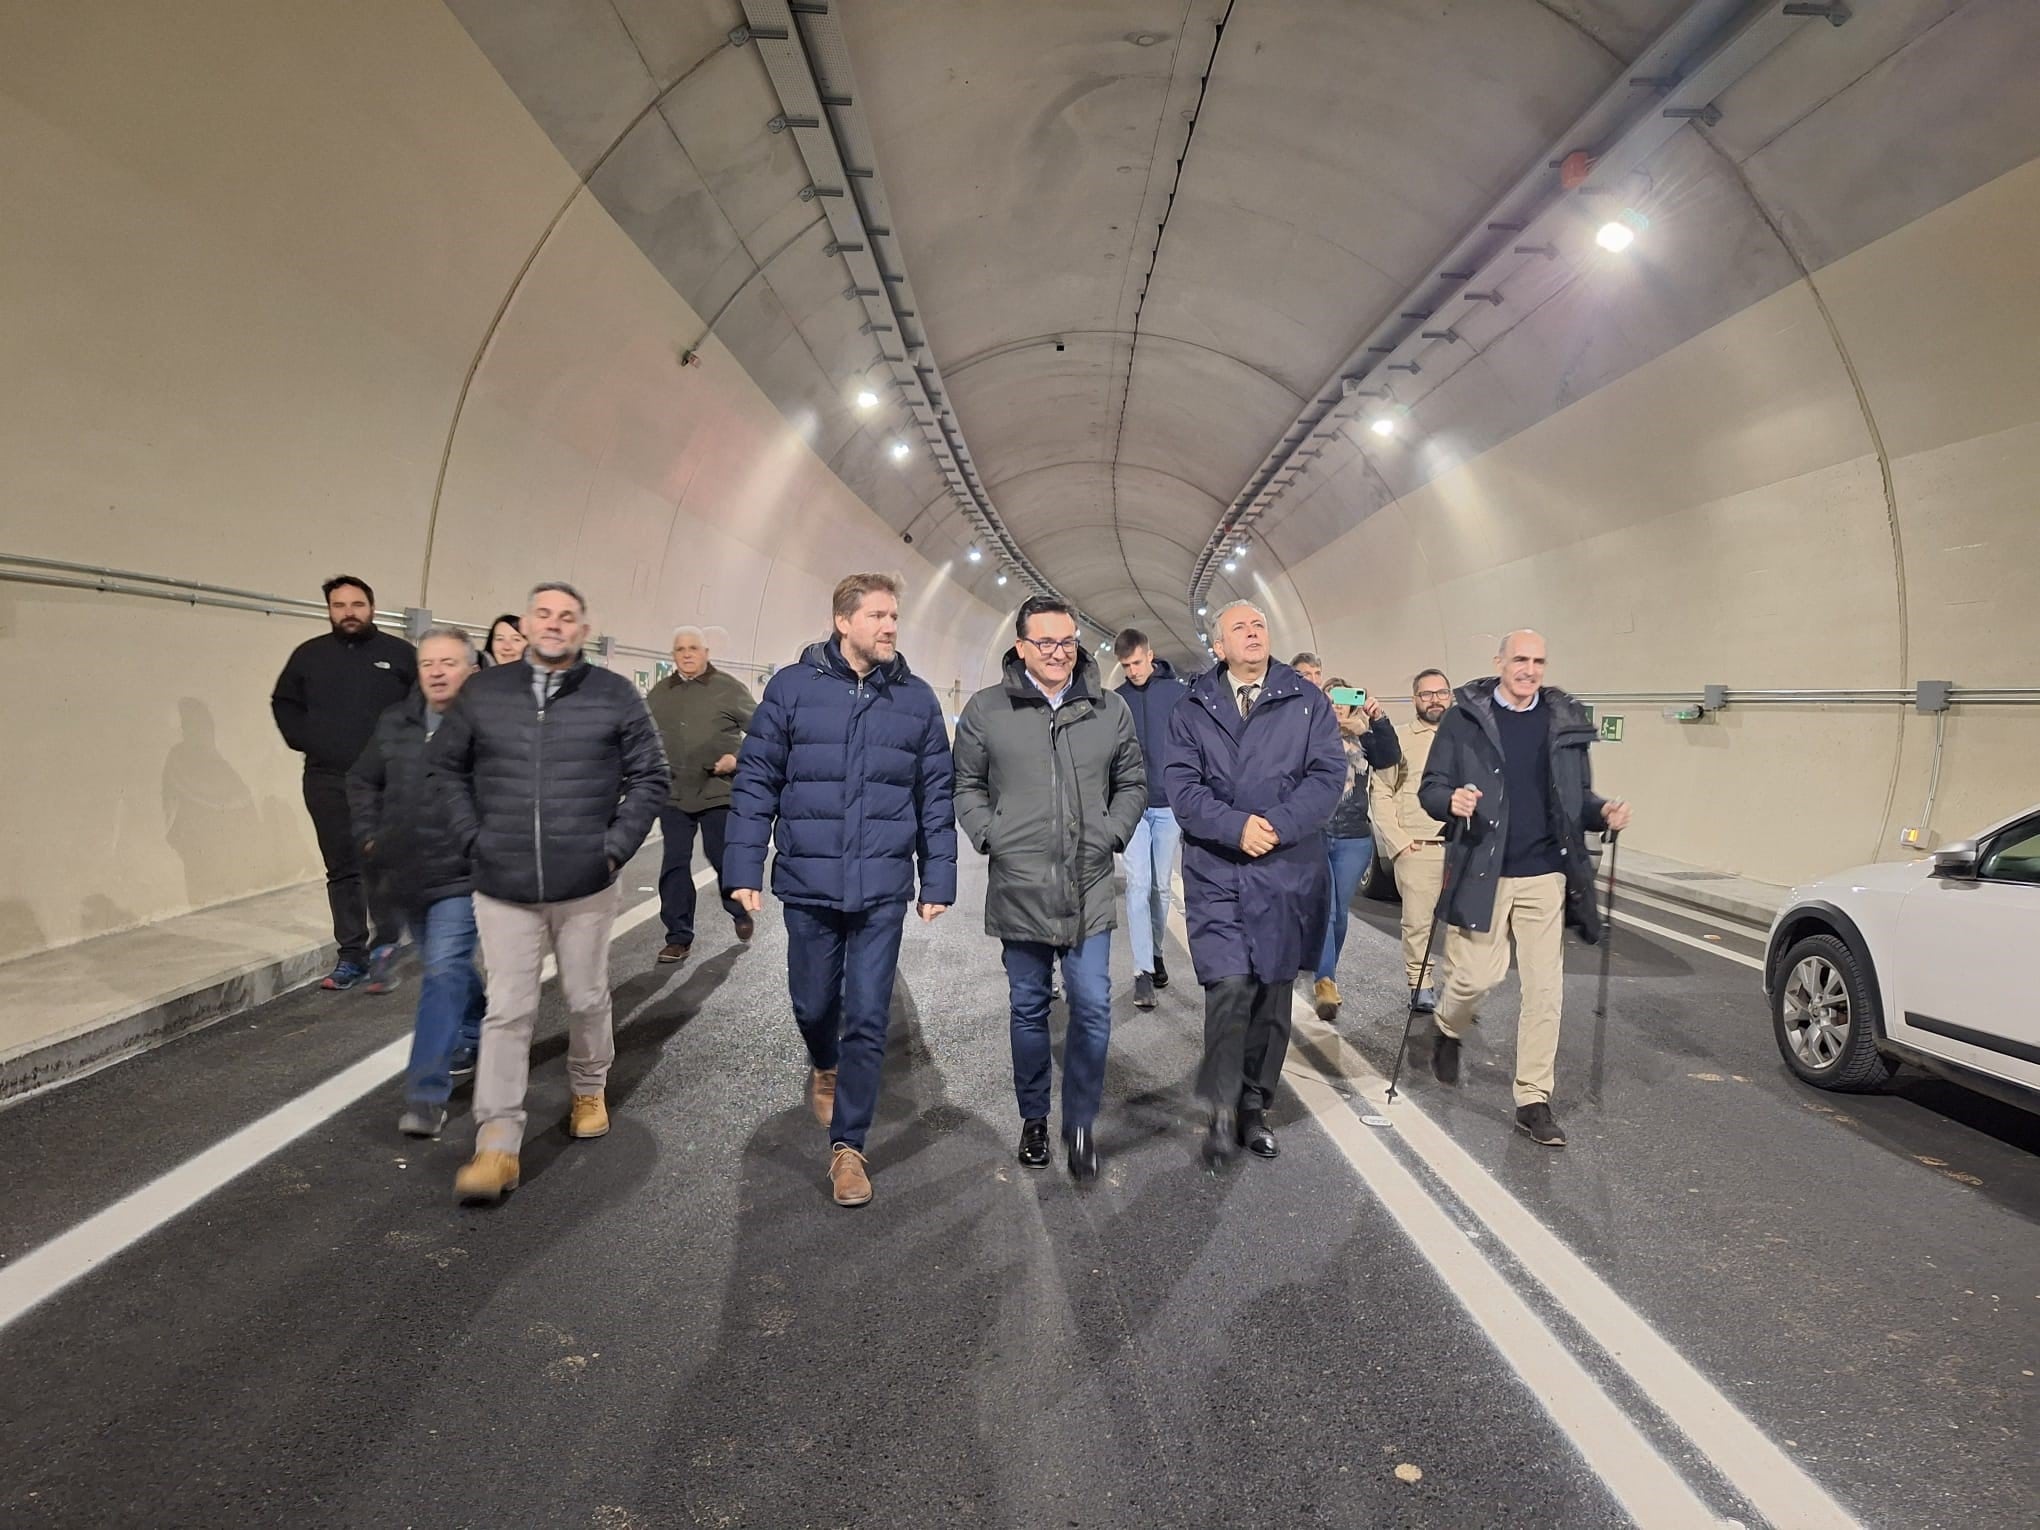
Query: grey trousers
(514, 938)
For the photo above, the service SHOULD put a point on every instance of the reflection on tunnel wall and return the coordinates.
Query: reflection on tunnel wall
(251, 256)
(1721, 515)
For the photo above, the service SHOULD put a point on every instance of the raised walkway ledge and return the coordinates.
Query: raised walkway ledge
(67, 1012)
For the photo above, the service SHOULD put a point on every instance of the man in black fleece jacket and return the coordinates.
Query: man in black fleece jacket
(325, 703)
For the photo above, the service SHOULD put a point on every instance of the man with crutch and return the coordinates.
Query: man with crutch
(1510, 764)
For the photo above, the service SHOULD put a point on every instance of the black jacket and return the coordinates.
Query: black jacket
(1378, 749)
(1151, 705)
(548, 804)
(399, 822)
(332, 690)
(1468, 752)
(1051, 797)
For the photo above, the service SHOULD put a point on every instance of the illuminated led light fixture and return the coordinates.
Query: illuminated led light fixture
(900, 450)
(976, 554)
(1619, 232)
(866, 399)
(1001, 579)
(1232, 565)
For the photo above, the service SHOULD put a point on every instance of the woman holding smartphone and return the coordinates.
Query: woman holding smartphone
(1370, 744)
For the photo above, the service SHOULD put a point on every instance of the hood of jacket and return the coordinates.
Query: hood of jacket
(826, 657)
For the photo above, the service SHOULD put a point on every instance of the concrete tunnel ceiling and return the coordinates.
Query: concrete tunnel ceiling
(1141, 235)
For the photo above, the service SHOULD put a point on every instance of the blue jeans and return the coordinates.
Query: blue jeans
(451, 999)
(1150, 858)
(1350, 859)
(839, 971)
(1087, 976)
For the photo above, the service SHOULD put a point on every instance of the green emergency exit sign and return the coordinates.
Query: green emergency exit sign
(1611, 730)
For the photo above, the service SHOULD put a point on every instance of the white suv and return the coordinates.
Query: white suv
(1935, 962)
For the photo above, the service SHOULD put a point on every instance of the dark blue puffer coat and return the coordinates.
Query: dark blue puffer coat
(849, 781)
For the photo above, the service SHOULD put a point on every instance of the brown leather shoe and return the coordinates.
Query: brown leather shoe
(846, 1174)
(1325, 999)
(673, 953)
(486, 1178)
(746, 926)
(588, 1116)
(821, 1094)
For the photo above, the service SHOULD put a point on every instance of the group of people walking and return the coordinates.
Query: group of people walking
(491, 801)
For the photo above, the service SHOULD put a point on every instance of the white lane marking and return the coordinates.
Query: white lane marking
(1754, 962)
(44, 1271)
(1641, 1480)
(1733, 926)
(1742, 1452)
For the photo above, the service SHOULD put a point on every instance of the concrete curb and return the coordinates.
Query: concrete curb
(52, 1060)
(1699, 895)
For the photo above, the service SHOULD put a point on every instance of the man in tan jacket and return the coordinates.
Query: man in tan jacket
(1410, 839)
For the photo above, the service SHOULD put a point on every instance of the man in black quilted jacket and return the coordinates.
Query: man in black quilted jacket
(403, 835)
(552, 775)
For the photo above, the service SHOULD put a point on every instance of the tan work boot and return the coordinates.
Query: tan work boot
(821, 1094)
(588, 1117)
(486, 1178)
(1326, 997)
(846, 1173)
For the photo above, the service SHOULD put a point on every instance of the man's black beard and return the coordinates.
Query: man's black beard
(344, 629)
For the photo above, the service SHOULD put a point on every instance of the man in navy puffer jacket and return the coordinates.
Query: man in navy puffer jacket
(846, 775)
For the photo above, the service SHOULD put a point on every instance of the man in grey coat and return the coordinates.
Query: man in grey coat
(1050, 784)
(703, 714)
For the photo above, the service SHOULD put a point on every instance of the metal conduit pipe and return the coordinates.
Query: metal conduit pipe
(55, 573)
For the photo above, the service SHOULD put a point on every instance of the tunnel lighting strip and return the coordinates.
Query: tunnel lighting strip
(1510, 256)
(804, 53)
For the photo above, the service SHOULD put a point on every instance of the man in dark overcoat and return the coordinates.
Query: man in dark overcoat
(1254, 772)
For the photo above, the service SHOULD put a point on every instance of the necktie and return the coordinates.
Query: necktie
(1247, 698)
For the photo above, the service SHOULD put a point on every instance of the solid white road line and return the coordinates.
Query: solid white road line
(1772, 1482)
(1732, 925)
(42, 1272)
(1755, 962)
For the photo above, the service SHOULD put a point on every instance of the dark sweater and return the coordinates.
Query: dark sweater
(333, 689)
(1532, 849)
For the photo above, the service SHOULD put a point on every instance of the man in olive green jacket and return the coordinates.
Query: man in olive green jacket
(702, 715)
(1051, 785)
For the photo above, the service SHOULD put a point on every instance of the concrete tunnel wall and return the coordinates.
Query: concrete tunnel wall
(251, 254)
(1835, 488)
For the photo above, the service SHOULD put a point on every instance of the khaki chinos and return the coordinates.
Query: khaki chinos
(1531, 912)
(514, 939)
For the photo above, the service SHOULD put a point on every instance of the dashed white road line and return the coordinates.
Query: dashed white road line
(44, 1271)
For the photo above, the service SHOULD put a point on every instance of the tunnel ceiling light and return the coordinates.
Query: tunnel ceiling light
(866, 399)
(1619, 232)
(1383, 425)
(900, 450)
(1002, 577)
(1201, 610)
(976, 553)
(1231, 567)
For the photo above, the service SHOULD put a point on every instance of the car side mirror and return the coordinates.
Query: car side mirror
(1956, 862)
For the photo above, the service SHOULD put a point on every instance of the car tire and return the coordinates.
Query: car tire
(1379, 883)
(1825, 1014)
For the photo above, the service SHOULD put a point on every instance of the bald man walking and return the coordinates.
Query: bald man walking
(1510, 764)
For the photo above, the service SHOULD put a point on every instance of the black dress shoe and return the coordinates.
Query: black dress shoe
(1034, 1143)
(1222, 1141)
(1444, 1056)
(1082, 1148)
(745, 926)
(1542, 1127)
(1255, 1136)
(1161, 972)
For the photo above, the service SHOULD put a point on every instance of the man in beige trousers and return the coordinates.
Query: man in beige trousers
(551, 772)
(1410, 839)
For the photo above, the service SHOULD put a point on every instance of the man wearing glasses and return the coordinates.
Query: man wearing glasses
(1412, 841)
(1051, 785)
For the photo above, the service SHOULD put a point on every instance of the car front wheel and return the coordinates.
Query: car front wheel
(1825, 1013)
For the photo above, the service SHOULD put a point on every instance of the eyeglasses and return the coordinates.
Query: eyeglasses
(1048, 648)
(1433, 695)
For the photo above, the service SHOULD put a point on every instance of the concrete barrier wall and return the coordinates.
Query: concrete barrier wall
(266, 272)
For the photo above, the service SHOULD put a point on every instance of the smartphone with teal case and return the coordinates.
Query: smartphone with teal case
(1347, 696)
